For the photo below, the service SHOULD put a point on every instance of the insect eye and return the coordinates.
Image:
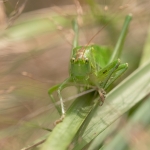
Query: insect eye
(86, 60)
(73, 59)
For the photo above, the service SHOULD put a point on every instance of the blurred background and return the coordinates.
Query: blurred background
(35, 46)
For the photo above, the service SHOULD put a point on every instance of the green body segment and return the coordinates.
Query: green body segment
(87, 63)
(92, 66)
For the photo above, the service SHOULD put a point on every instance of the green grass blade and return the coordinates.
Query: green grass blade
(64, 132)
(34, 27)
(140, 119)
(146, 50)
(120, 140)
(121, 99)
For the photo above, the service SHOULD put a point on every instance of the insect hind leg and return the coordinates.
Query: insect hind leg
(104, 76)
(102, 95)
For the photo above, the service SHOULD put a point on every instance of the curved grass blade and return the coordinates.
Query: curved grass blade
(64, 132)
(146, 51)
(122, 135)
(122, 98)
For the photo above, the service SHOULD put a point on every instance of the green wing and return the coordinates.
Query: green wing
(100, 56)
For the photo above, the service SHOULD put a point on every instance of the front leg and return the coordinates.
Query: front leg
(50, 92)
(60, 88)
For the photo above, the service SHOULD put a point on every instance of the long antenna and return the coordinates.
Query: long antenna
(94, 37)
(97, 33)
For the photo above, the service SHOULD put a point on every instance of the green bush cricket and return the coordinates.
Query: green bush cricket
(89, 68)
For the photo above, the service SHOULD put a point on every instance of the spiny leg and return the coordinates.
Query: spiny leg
(112, 75)
(50, 92)
(110, 72)
(102, 95)
(117, 69)
(117, 73)
(104, 75)
(59, 88)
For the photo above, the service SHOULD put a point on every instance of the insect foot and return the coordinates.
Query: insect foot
(59, 120)
(102, 94)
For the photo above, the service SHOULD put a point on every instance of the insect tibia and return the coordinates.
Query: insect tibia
(102, 94)
(59, 120)
(117, 73)
(124, 65)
